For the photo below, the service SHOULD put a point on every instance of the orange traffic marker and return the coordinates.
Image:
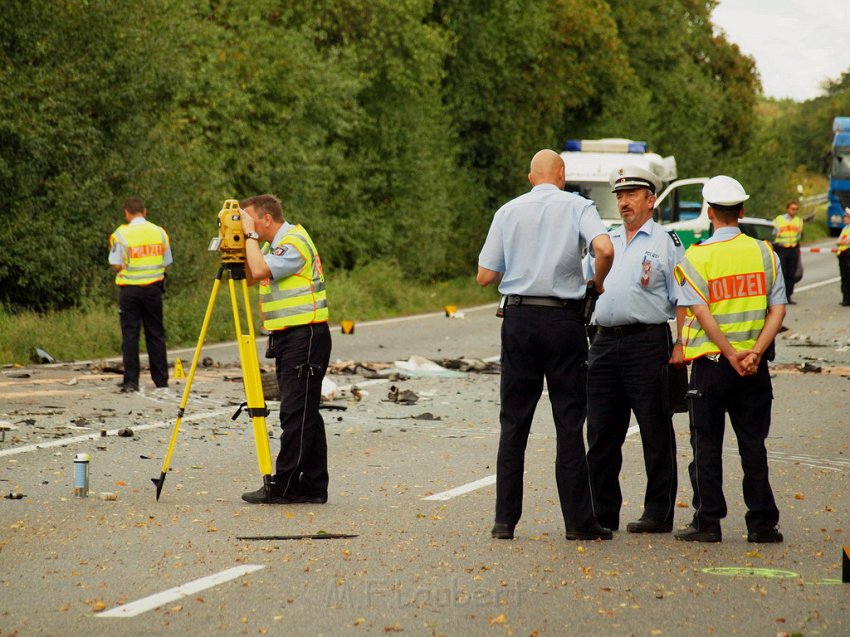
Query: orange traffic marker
(845, 566)
(347, 327)
(450, 310)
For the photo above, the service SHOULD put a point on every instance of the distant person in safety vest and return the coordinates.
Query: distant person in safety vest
(787, 234)
(734, 293)
(282, 258)
(843, 244)
(139, 253)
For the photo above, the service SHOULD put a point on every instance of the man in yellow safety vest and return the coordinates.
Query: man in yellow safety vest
(787, 234)
(294, 306)
(139, 253)
(733, 289)
(843, 244)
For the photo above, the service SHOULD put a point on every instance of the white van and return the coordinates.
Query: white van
(588, 162)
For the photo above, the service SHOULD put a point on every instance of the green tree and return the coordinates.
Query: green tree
(84, 85)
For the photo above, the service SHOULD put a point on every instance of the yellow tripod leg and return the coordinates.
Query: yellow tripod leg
(253, 384)
(204, 327)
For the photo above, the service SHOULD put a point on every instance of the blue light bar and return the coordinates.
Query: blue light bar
(573, 145)
(637, 147)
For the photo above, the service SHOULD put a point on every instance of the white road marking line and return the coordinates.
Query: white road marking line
(486, 482)
(811, 286)
(62, 442)
(172, 594)
(466, 488)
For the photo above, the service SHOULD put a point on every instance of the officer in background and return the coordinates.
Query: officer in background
(843, 244)
(733, 288)
(535, 247)
(294, 305)
(631, 346)
(139, 253)
(787, 234)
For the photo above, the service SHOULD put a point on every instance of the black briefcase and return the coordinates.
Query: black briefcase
(674, 386)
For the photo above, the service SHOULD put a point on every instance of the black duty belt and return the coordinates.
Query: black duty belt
(543, 301)
(619, 331)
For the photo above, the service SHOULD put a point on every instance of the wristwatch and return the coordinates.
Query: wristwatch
(252, 235)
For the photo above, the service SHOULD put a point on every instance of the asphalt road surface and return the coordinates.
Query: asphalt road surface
(413, 483)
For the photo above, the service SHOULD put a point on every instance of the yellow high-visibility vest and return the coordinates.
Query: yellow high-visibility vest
(734, 278)
(845, 233)
(144, 245)
(788, 231)
(298, 299)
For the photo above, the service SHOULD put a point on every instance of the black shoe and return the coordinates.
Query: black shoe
(773, 536)
(502, 531)
(259, 497)
(692, 534)
(790, 302)
(128, 388)
(845, 303)
(648, 525)
(608, 523)
(594, 532)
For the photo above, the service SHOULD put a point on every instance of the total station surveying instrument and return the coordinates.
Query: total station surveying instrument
(230, 242)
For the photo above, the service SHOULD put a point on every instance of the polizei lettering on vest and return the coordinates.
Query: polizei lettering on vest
(150, 250)
(737, 286)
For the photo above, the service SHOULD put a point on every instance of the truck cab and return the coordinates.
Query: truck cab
(839, 176)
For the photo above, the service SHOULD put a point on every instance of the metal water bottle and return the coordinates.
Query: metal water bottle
(81, 475)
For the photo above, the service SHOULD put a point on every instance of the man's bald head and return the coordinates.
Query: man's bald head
(547, 167)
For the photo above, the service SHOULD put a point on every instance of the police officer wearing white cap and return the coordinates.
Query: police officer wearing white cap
(631, 346)
(534, 250)
(733, 289)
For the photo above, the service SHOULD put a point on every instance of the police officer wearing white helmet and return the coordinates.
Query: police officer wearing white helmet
(631, 346)
(732, 287)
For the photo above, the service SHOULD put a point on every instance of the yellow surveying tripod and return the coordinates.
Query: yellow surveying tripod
(231, 244)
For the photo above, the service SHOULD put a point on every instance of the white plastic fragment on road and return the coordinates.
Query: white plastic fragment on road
(421, 366)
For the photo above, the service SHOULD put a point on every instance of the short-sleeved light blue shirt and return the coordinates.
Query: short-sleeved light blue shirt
(640, 288)
(688, 295)
(537, 241)
(285, 260)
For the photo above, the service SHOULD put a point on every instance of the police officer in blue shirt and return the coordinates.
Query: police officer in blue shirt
(535, 247)
(632, 344)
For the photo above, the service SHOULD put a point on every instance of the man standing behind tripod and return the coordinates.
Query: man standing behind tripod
(294, 306)
(139, 253)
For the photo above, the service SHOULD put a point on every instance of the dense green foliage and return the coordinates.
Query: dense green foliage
(391, 128)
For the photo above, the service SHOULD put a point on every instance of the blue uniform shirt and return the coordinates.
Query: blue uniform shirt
(689, 296)
(640, 288)
(284, 261)
(537, 240)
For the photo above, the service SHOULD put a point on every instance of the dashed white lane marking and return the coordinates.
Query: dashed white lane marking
(172, 594)
(486, 482)
(466, 488)
(61, 442)
(811, 286)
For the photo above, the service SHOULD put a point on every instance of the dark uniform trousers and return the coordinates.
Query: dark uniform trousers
(301, 356)
(624, 375)
(141, 305)
(716, 388)
(537, 343)
(788, 258)
(844, 271)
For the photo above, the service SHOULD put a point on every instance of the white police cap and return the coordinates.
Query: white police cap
(631, 177)
(724, 191)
